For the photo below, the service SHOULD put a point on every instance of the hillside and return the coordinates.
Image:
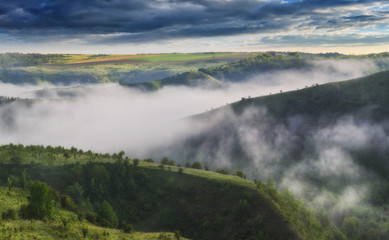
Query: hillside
(157, 198)
(329, 100)
(325, 142)
(64, 225)
(250, 67)
(68, 69)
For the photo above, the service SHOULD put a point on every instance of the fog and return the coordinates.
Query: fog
(111, 118)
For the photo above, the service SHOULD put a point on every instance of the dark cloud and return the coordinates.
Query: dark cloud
(142, 21)
(313, 40)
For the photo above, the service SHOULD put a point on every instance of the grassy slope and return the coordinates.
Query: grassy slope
(196, 202)
(330, 100)
(55, 228)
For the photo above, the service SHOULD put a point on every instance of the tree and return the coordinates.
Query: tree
(74, 151)
(23, 179)
(40, 202)
(197, 165)
(9, 183)
(76, 192)
(351, 227)
(222, 171)
(120, 155)
(66, 155)
(106, 216)
(136, 162)
(240, 174)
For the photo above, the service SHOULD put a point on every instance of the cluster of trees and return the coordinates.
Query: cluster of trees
(122, 194)
(20, 154)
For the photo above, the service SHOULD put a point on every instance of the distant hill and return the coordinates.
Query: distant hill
(365, 98)
(247, 68)
(69, 69)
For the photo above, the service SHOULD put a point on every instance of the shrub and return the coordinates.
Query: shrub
(85, 231)
(67, 203)
(127, 228)
(222, 171)
(11, 214)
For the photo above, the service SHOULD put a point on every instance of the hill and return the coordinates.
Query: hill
(163, 197)
(64, 225)
(250, 67)
(68, 69)
(328, 143)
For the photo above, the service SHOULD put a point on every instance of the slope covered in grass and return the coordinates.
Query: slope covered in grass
(158, 198)
(64, 225)
(329, 100)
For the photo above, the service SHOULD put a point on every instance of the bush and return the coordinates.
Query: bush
(222, 171)
(127, 228)
(149, 160)
(11, 214)
(85, 231)
(91, 217)
(67, 203)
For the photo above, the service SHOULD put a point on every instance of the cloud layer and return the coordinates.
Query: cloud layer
(137, 21)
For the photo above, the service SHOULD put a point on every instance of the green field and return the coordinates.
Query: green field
(73, 68)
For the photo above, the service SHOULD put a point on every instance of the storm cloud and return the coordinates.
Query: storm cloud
(136, 21)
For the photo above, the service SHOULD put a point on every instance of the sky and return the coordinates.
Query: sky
(159, 26)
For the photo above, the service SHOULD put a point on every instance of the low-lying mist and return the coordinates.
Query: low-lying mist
(110, 118)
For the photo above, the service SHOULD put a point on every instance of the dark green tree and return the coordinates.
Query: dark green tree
(40, 202)
(240, 174)
(197, 165)
(66, 155)
(9, 183)
(106, 216)
(136, 162)
(23, 179)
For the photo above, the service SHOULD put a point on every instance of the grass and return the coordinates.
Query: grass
(214, 176)
(64, 225)
(191, 56)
